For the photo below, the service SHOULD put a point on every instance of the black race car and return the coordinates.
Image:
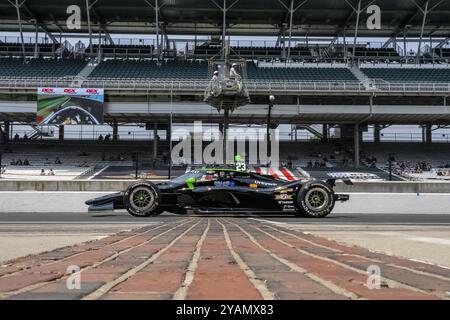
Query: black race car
(207, 191)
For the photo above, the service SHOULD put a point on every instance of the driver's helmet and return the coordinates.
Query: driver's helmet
(216, 73)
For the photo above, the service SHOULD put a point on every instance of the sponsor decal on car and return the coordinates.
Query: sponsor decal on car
(230, 184)
(283, 196)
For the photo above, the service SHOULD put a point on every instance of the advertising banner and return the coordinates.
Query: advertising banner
(70, 106)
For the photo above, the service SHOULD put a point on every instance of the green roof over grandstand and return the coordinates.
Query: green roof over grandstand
(246, 17)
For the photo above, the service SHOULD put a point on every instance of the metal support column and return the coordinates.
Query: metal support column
(61, 133)
(269, 123)
(345, 45)
(155, 140)
(291, 20)
(115, 135)
(376, 133)
(425, 14)
(157, 7)
(158, 45)
(325, 132)
(7, 131)
(358, 14)
(88, 15)
(428, 134)
(405, 54)
(224, 8)
(17, 5)
(224, 28)
(356, 138)
(291, 9)
(36, 53)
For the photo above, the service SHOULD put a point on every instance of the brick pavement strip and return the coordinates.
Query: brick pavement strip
(332, 245)
(280, 279)
(27, 262)
(36, 276)
(328, 271)
(218, 275)
(429, 278)
(218, 258)
(162, 278)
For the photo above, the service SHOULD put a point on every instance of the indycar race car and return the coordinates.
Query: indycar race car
(207, 191)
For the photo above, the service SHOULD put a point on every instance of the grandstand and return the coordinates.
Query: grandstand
(326, 73)
(405, 75)
(38, 68)
(139, 69)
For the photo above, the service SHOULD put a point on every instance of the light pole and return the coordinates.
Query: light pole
(269, 115)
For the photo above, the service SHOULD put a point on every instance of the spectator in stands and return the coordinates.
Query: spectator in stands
(51, 172)
(26, 162)
(25, 137)
(42, 172)
(19, 162)
(13, 162)
(47, 161)
(16, 137)
(100, 137)
(108, 137)
(58, 161)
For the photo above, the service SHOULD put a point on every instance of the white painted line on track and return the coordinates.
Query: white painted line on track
(269, 221)
(98, 173)
(445, 242)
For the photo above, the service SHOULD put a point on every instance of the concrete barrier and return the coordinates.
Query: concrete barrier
(395, 187)
(73, 185)
(117, 185)
(364, 203)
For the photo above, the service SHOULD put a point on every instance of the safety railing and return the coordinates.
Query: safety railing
(253, 86)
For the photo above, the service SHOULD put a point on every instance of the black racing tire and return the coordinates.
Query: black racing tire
(315, 200)
(142, 199)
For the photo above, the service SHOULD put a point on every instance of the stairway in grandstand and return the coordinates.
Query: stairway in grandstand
(84, 73)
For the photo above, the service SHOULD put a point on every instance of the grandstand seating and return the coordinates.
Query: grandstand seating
(13, 68)
(207, 51)
(199, 70)
(269, 74)
(150, 69)
(125, 51)
(15, 49)
(375, 53)
(443, 52)
(34, 68)
(411, 152)
(408, 74)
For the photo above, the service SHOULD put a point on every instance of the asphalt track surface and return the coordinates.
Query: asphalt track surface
(220, 257)
(122, 216)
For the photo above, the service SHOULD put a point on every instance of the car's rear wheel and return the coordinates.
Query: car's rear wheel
(315, 200)
(142, 199)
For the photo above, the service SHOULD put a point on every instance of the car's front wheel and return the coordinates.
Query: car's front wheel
(142, 199)
(315, 200)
